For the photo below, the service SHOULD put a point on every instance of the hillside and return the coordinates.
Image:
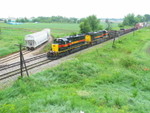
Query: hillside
(102, 80)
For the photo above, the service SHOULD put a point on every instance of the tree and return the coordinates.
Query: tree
(89, 24)
(22, 20)
(147, 17)
(26, 20)
(85, 26)
(140, 18)
(5, 21)
(94, 22)
(109, 27)
(129, 20)
(9, 20)
(121, 26)
(59, 19)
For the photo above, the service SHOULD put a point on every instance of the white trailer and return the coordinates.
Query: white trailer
(36, 39)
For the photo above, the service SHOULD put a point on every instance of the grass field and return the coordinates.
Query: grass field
(14, 34)
(102, 80)
(56, 28)
(8, 39)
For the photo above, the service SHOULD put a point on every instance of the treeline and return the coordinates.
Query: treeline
(92, 23)
(52, 19)
(131, 19)
(22, 20)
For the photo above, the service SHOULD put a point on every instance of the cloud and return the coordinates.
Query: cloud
(73, 8)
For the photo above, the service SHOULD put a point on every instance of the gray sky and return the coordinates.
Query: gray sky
(73, 8)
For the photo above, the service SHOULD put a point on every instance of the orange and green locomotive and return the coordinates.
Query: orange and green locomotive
(70, 44)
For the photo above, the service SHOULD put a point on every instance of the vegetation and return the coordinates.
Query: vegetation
(90, 24)
(14, 34)
(85, 27)
(121, 26)
(109, 24)
(147, 17)
(8, 39)
(131, 19)
(23, 20)
(56, 28)
(102, 80)
(53, 19)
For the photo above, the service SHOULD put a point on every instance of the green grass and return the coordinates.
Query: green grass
(102, 80)
(14, 34)
(8, 39)
(56, 28)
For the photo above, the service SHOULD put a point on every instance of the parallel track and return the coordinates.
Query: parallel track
(17, 71)
(29, 67)
(18, 63)
(13, 56)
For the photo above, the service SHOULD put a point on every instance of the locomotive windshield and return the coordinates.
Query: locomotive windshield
(58, 41)
(55, 41)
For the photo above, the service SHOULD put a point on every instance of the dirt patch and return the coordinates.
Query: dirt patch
(83, 93)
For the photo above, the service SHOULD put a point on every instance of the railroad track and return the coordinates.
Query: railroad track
(4, 67)
(29, 67)
(13, 56)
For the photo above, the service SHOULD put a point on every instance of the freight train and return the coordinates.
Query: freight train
(70, 44)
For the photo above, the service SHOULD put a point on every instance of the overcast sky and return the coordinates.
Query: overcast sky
(73, 8)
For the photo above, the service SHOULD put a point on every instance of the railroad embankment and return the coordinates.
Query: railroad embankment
(102, 80)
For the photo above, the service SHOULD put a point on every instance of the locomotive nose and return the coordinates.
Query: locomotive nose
(49, 54)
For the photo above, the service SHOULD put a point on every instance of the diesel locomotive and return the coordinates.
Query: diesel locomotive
(70, 44)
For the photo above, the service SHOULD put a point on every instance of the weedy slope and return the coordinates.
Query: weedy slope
(102, 80)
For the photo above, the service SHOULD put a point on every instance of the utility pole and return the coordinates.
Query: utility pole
(133, 32)
(22, 62)
(0, 30)
(113, 45)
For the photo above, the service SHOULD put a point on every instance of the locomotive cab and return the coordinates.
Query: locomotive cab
(58, 45)
(105, 33)
(55, 45)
